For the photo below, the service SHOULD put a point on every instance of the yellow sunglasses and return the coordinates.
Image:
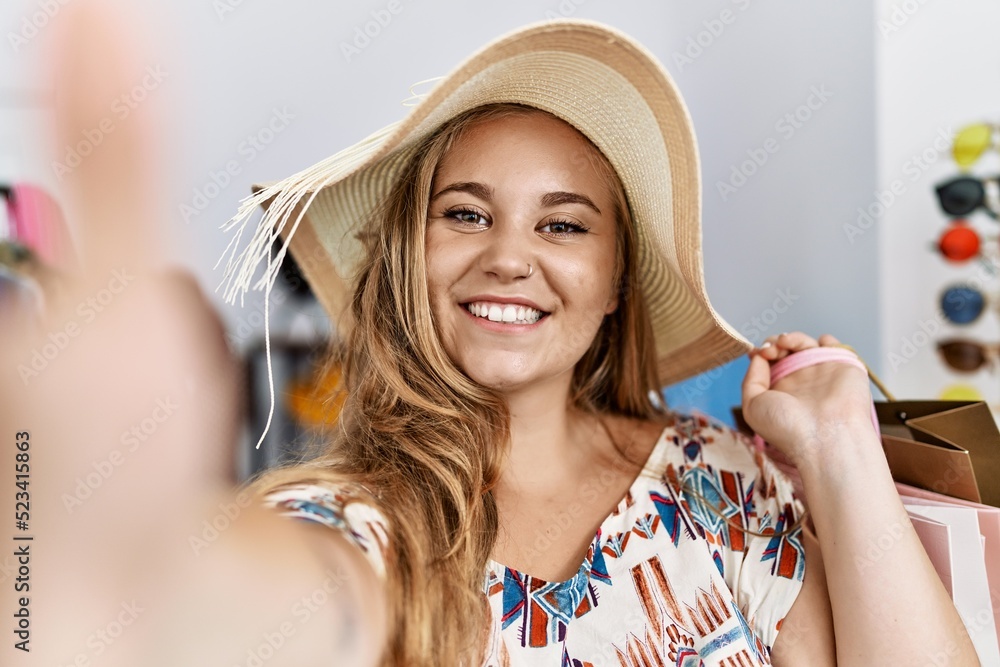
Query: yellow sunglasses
(972, 141)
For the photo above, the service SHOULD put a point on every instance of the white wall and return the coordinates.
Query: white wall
(939, 71)
(779, 233)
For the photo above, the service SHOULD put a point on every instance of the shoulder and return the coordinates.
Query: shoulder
(686, 439)
(721, 465)
(347, 508)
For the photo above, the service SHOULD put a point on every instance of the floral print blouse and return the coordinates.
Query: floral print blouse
(668, 580)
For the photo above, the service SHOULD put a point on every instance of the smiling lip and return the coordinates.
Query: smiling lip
(514, 300)
(503, 327)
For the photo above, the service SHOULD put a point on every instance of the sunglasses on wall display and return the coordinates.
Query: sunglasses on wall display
(962, 304)
(960, 392)
(967, 356)
(963, 195)
(972, 141)
(959, 243)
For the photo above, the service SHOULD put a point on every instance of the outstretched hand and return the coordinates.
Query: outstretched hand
(123, 388)
(808, 411)
(126, 399)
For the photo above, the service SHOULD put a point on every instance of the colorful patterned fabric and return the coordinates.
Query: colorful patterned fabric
(666, 581)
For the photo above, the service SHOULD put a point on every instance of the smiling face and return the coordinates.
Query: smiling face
(512, 191)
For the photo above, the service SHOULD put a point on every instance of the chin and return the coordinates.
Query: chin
(498, 382)
(498, 379)
(507, 379)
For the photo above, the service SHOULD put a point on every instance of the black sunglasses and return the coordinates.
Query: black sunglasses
(963, 195)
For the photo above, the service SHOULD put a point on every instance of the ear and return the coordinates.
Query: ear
(612, 304)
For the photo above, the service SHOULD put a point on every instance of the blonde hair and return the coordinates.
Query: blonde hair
(426, 441)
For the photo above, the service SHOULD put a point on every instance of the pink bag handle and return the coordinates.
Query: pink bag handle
(810, 357)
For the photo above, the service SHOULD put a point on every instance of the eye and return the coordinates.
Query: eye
(566, 228)
(466, 216)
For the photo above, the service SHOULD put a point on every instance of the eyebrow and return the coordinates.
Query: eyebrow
(558, 198)
(475, 189)
(547, 200)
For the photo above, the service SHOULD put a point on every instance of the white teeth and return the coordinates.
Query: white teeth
(509, 313)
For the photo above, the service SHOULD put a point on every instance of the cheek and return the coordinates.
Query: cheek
(586, 288)
(435, 262)
(589, 282)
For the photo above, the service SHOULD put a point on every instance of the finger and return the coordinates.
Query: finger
(827, 340)
(757, 379)
(770, 351)
(773, 338)
(796, 341)
(103, 137)
(781, 345)
(769, 348)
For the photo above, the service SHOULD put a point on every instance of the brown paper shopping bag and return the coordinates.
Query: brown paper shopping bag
(949, 447)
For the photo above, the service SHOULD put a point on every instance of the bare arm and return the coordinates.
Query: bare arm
(284, 591)
(132, 426)
(887, 610)
(806, 635)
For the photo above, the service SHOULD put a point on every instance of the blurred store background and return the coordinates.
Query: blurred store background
(824, 129)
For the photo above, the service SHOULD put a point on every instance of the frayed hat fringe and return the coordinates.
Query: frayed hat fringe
(287, 194)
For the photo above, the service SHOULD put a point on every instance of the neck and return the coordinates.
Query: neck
(549, 437)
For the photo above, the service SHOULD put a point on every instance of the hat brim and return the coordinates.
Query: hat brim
(595, 78)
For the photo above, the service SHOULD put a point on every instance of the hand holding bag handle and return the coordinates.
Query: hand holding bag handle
(819, 355)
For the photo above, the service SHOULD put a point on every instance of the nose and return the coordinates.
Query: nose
(505, 253)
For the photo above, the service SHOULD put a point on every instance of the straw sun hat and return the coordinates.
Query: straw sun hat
(595, 78)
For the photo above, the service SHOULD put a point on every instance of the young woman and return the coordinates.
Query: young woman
(527, 276)
(516, 272)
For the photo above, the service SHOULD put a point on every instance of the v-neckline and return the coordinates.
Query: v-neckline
(633, 491)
